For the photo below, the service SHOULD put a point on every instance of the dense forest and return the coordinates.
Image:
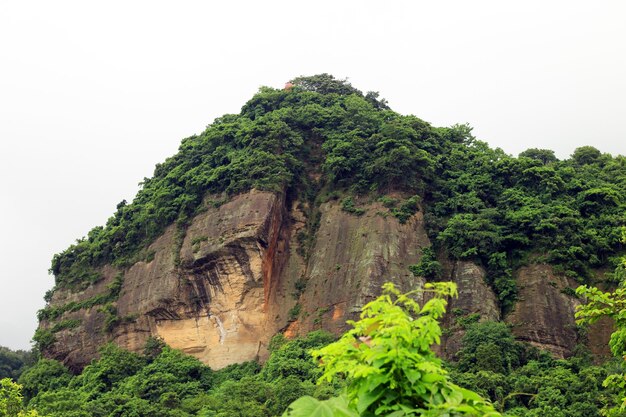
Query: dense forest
(321, 138)
(519, 380)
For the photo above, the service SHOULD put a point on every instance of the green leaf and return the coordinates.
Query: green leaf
(311, 407)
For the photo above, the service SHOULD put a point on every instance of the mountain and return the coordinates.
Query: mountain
(289, 216)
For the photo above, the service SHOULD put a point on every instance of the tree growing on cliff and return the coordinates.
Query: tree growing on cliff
(390, 367)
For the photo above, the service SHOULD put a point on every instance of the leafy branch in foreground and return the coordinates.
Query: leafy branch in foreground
(608, 304)
(11, 404)
(613, 305)
(388, 362)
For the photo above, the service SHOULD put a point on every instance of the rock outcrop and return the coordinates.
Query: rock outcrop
(351, 258)
(206, 292)
(239, 273)
(475, 299)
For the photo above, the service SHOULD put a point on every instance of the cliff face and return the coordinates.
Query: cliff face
(351, 258)
(476, 299)
(206, 292)
(544, 314)
(238, 274)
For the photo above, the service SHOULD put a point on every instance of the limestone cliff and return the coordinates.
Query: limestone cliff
(238, 274)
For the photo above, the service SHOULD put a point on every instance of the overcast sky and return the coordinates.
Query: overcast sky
(94, 94)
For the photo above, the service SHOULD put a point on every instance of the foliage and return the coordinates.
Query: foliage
(14, 362)
(11, 400)
(479, 203)
(525, 382)
(294, 358)
(294, 312)
(612, 304)
(45, 375)
(310, 407)
(543, 387)
(428, 265)
(546, 156)
(467, 320)
(43, 338)
(485, 205)
(111, 319)
(65, 324)
(54, 312)
(324, 84)
(166, 382)
(348, 205)
(407, 209)
(489, 346)
(153, 347)
(388, 362)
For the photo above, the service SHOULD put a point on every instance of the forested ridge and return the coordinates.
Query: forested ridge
(479, 203)
(321, 138)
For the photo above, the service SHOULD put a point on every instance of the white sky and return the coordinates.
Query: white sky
(94, 94)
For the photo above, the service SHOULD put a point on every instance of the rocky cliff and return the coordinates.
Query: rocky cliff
(240, 272)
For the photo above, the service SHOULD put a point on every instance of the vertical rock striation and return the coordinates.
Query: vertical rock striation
(239, 273)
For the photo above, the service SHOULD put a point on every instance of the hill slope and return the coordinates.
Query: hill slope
(290, 215)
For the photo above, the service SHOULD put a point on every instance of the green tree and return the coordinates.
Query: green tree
(325, 84)
(586, 155)
(489, 346)
(389, 365)
(428, 265)
(294, 359)
(45, 375)
(11, 404)
(612, 304)
(546, 156)
(13, 363)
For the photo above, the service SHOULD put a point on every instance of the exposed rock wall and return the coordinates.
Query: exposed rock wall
(475, 298)
(237, 275)
(544, 314)
(207, 295)
(77, 346)
(351, 259)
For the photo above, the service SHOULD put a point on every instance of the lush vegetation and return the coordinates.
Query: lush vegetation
(14, 362)
(505, 210)
(613, 305)
(386, 359)
(166, 382)
(11, 400)
(389, 365)
(519, 380)
(479, 203)
(383, 366)
(522, 381)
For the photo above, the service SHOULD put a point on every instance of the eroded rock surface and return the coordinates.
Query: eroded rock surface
(351, 259)
(476, 299)
(207, 295)
(240, 273)
(544, 313)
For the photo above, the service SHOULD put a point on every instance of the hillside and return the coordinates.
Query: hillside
(289, 216)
